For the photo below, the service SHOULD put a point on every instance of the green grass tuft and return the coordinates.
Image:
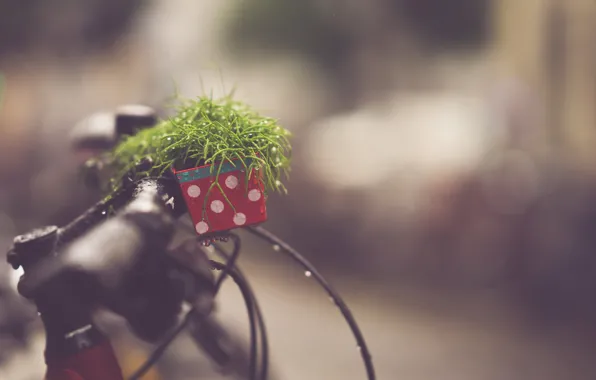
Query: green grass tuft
(206, 131)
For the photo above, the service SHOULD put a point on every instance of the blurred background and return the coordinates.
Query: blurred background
(443, 173)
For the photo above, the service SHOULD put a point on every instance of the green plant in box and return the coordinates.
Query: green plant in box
(205, 131)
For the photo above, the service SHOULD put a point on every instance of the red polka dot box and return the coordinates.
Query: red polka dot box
(234, 203)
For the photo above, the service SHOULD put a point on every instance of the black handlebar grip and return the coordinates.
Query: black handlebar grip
(120, 263)
(107, 251)
(125, 257)
(110, 250)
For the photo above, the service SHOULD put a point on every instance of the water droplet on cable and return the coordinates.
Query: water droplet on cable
(359, 348)
(307, 273)
(276, 247)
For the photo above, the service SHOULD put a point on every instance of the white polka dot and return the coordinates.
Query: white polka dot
(239, 219)
(231, 182)
(202, 227)
(254, 195)
(217, 206)
(193, 191)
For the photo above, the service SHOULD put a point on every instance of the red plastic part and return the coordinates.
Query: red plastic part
(96, 363)
(208, 207)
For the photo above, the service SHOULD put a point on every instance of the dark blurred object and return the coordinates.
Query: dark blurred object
(315, 29)
(102, 130)
(133, 117)
(555, 265)
(63, 27)
(445, 25)
(289, 25)
(15, 316)
(96, 132)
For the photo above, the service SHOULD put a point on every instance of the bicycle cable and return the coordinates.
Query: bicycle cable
(259, 317)
(162, 346)
(347, 314)
(249, 299)
(335, 297)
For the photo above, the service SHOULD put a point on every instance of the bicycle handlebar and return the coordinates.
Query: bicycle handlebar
(119, 264)
(107, 251)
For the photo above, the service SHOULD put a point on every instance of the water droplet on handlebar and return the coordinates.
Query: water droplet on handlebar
(307, 273)
(103, 212)
(276, 247)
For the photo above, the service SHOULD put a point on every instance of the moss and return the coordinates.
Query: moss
(206, 131)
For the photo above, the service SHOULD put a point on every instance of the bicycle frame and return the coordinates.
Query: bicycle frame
(75, 348)
(95, 363)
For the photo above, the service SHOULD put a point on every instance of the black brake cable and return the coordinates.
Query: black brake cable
(249, 301)
(335, 297)
(259, 317)
(252, 367)
(164, 344)
(311, 271)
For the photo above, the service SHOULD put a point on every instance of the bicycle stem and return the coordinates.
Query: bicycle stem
(75, 348)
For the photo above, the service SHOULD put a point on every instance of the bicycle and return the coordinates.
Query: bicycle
(112, 256)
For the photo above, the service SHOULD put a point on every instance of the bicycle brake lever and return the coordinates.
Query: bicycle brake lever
(190, 268)
(215, 341)
(193, 269)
